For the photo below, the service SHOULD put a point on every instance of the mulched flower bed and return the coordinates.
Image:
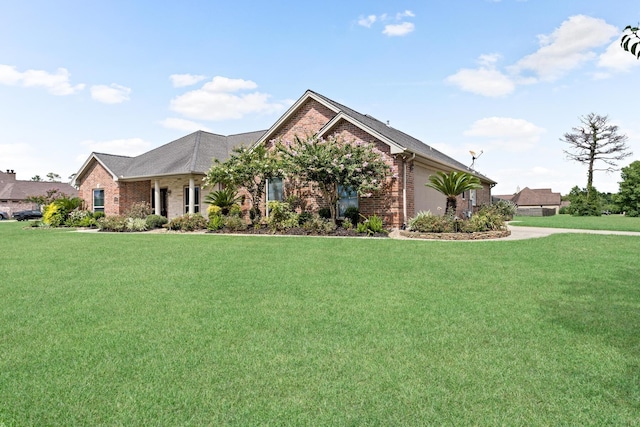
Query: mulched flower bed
(338, 232)
(456, 236)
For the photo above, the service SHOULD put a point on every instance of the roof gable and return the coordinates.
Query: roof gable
(191, 154)
(398, 141)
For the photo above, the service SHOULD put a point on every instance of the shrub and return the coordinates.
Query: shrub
(136, 224)
(362, 228)
(235, 210)
(188, 222)
(224, 199)
(324, 213)
(304, 217)
(155, 221)
(139, 210)
(112, 223)
(373, 224)
(426, 222)
(80, 219)
(234, 223)
(98, 215)
(216, 222)
(317, 224)
(214, 210)
(54, 215)
(506, 208)
(352, 214)
(281, 217)
(484, 220)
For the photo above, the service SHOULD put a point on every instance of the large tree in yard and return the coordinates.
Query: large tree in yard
(596, 140)
(249, 168)
(452, 184)
(334, 162)
(628, 197)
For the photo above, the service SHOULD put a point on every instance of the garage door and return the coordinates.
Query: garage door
(427, 199)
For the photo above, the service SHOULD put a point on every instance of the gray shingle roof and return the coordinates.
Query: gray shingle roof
(192, 153)
(13, 189)
(410, 143)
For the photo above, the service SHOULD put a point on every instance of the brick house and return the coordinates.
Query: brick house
(172, 174)
(534, 201)
(14, 192)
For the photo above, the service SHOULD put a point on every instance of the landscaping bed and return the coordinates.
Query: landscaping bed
(482, 235)
(300, 231)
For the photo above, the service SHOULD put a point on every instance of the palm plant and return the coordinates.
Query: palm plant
(451, 184)
(224, 199)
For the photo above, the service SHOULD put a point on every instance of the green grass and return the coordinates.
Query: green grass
(124, 329)
(604, 222)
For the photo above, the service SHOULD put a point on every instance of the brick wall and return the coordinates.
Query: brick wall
(309, 119)
(133, 192)
(98, 177)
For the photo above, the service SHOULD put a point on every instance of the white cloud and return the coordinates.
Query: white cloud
(486, 80)
(617, 59)
(182, 80)
(395, 30)
(505, 133)
(183, 125)
(113, 94)
(367, 21)
(566, 48)
(26, 160)
(56, 84)
(483, 82)
(405, 14)
(391, 29)
(217, 100)
(123, 147)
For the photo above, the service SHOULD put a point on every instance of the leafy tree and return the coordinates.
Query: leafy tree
(631, 40)
(36, 178)
(334, 162)
(451, 184)
(628, 197)
(596, 140)
(53, 177)
(51, 195)
(248, 168)
(581, 204)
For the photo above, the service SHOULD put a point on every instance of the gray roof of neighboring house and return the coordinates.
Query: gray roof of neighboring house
(13, 189)
(407, 141)
(192, 153)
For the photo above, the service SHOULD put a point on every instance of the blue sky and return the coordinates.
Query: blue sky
(507, 78)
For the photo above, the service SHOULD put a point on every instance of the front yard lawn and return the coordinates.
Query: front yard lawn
(171, 329)
(604, 222)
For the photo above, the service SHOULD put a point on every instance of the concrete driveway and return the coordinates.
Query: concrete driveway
(520, 233)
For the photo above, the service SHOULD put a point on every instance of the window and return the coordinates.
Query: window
(196, 201)
(98, 200)
(276, 189)
(472, 196)
(347, 197)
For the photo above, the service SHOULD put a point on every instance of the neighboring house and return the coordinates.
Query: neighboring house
(534, 201)
(14, 192)
(172, 174)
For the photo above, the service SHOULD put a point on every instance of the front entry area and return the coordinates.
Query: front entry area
(164, 194)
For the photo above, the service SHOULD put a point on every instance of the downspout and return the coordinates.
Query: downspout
(266, 198)
(404, 191)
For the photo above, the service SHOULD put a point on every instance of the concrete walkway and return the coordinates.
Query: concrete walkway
(520, 233)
